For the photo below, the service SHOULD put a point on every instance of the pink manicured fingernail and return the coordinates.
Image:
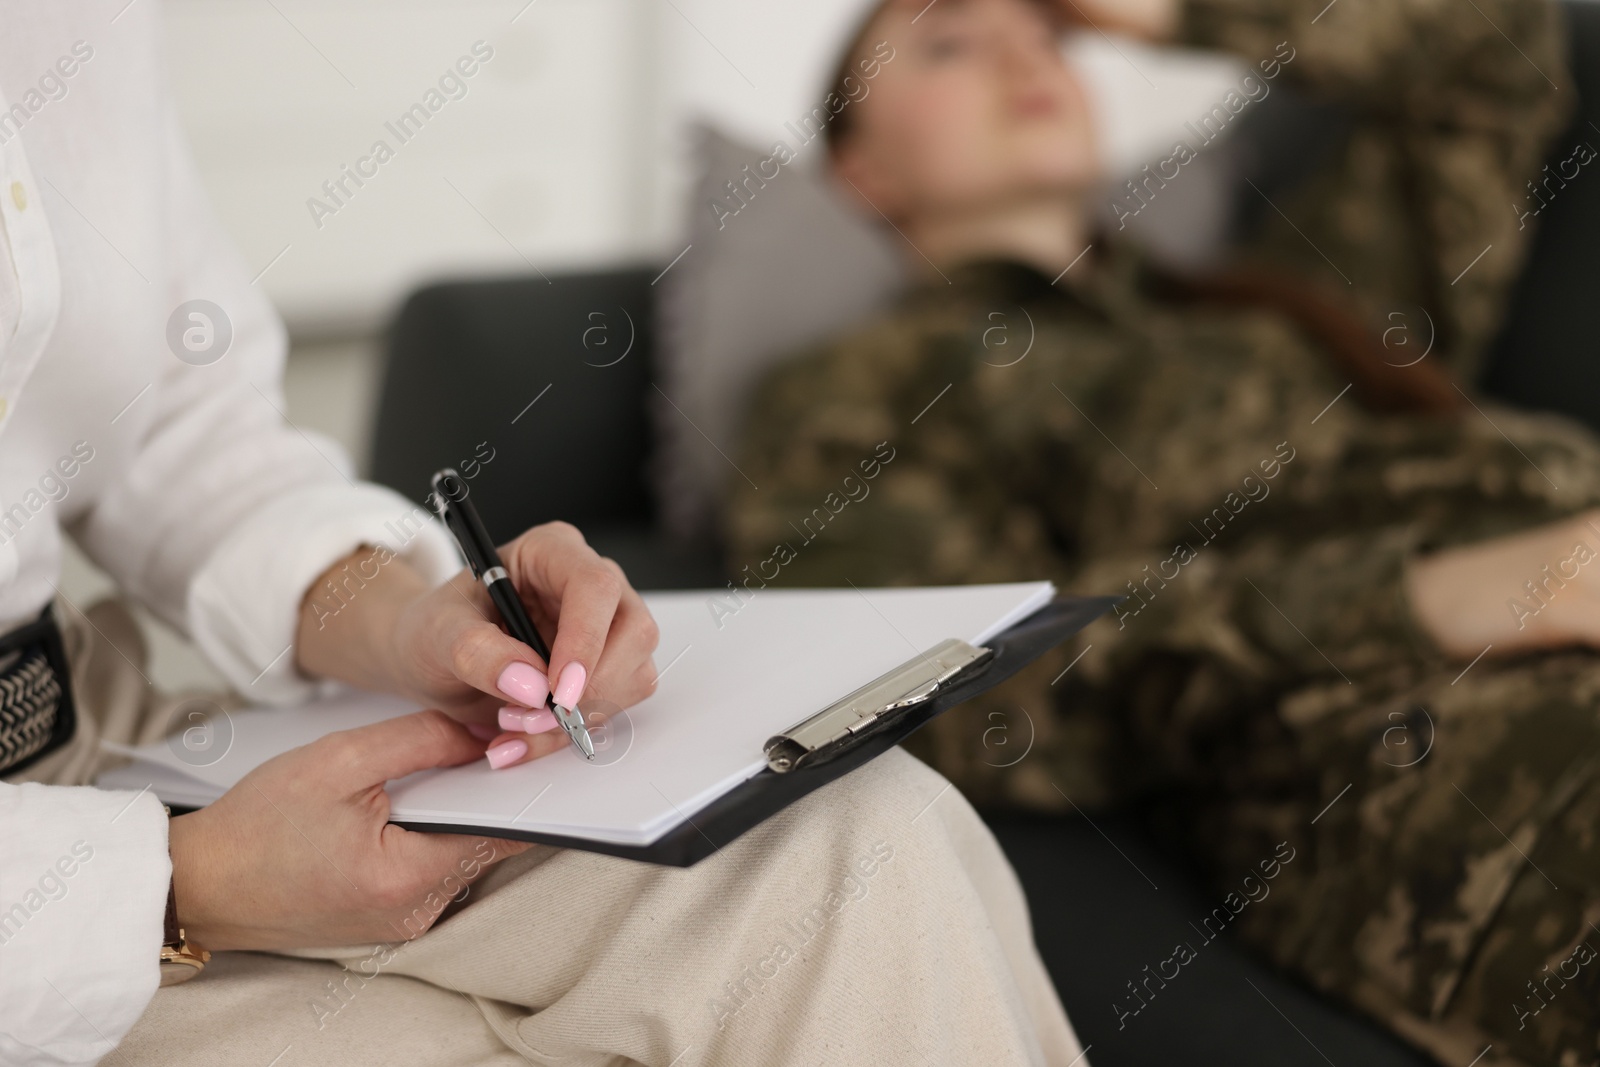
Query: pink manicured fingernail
(482, 731)
(525, 684)
(506, 753)
(569, 687)
(528, 722)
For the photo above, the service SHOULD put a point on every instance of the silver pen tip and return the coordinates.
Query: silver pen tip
(572, 721)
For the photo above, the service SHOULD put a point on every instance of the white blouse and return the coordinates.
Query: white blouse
(152, 430)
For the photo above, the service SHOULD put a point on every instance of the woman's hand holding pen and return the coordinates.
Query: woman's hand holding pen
(444, 647)
(301, 852)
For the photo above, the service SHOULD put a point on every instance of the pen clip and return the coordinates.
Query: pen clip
(449, 499)
(443, 492)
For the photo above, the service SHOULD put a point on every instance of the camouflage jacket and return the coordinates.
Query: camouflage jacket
(1262, 683)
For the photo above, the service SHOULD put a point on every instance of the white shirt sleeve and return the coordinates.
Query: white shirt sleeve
(83, 886)
(224, 514)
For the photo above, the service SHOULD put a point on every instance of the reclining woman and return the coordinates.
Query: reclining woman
(1317, 535)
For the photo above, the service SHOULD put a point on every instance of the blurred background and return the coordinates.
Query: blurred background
(569, 149)
(579, 145)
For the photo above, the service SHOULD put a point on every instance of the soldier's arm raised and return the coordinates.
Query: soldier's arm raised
(1475, 66)
(1451, 108)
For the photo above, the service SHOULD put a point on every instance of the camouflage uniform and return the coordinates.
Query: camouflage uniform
(1264, 676)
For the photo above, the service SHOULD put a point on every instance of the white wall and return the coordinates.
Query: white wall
(567, 141)
(545, 160)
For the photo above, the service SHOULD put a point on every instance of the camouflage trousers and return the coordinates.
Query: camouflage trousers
(1447, 826)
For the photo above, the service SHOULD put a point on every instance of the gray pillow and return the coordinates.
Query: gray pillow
(785, 263)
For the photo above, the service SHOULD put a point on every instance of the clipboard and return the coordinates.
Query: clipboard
(842, 737)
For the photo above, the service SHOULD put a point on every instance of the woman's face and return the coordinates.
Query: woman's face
(977, 108)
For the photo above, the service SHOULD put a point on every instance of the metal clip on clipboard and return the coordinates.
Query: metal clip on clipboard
(874, 706)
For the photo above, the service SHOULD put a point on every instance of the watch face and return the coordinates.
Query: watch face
(177, 971)
(181, 961)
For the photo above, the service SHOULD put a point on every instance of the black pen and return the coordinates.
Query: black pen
(458, 514)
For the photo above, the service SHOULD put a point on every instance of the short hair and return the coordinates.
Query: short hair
(843, 123)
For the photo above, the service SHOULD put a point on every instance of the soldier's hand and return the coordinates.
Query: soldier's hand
(1533, 590)
(1152, 20)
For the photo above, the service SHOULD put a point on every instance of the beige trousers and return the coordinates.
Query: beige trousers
(874, 922)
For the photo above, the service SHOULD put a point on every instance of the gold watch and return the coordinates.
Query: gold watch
(181, 959)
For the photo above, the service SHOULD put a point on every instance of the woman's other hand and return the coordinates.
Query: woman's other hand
(444, 647)
(300, 853)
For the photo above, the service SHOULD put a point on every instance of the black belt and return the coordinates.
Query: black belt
(37, 715)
